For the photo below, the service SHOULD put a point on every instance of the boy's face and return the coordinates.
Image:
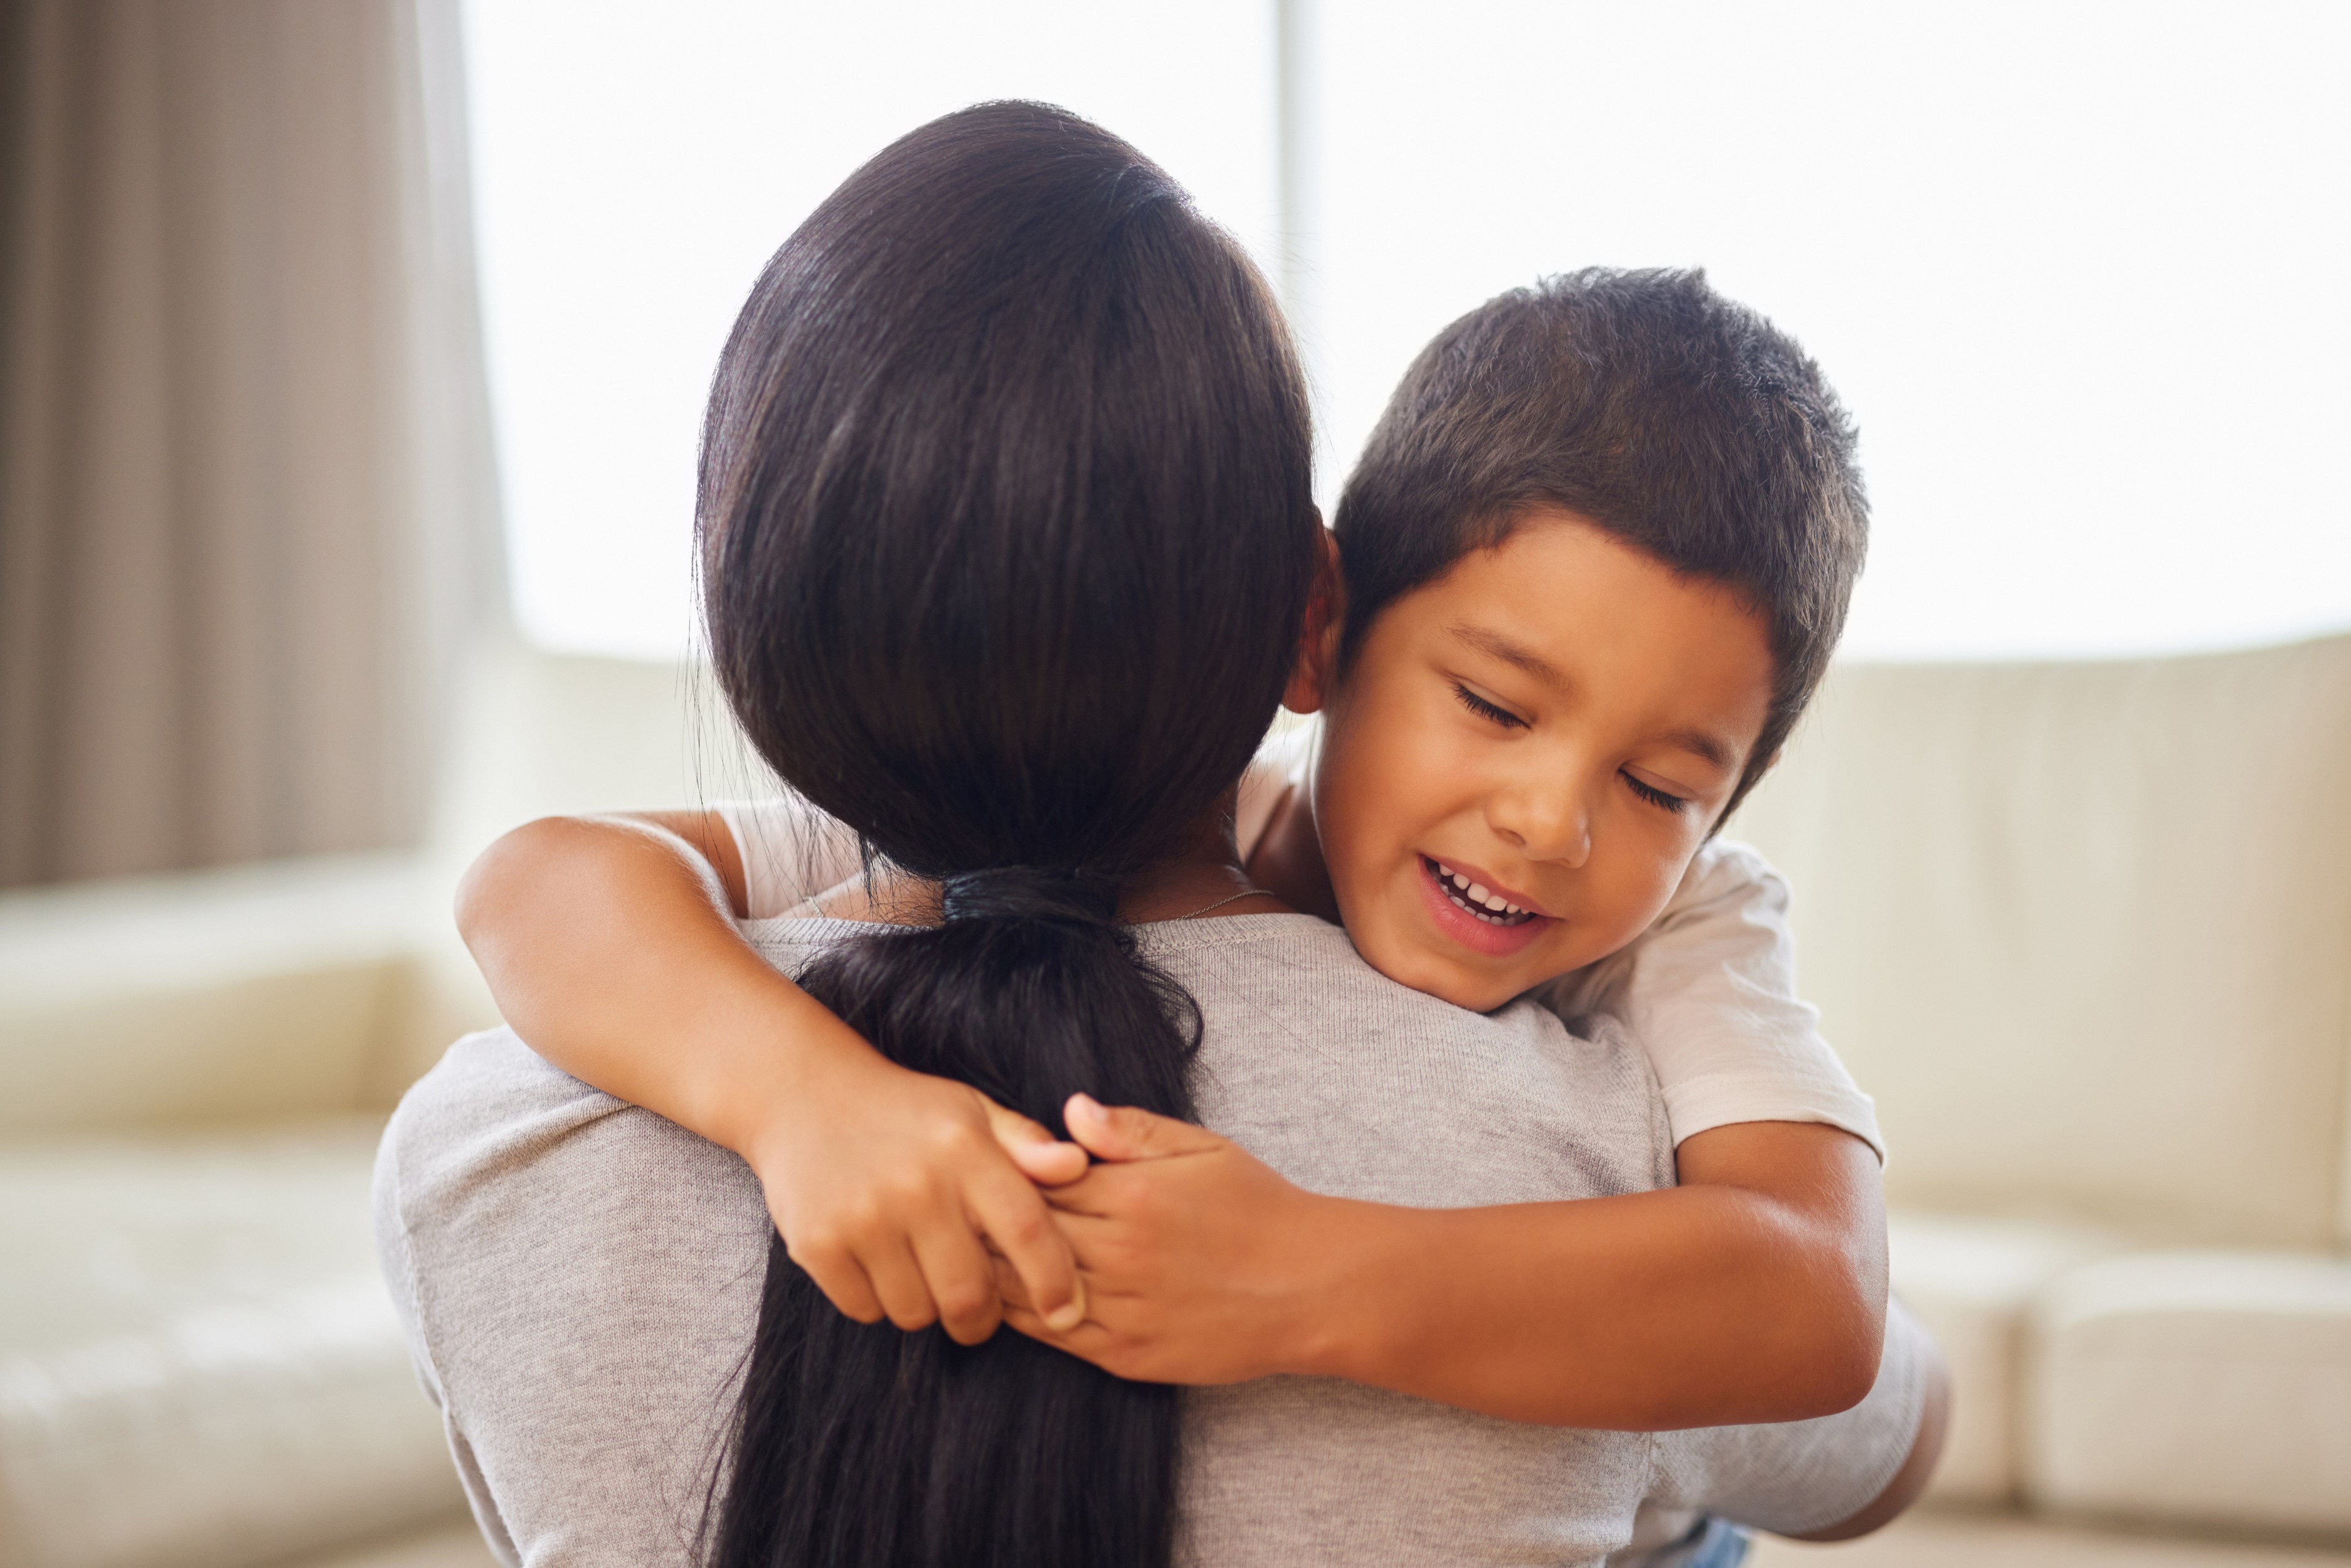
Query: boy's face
(1556, 722)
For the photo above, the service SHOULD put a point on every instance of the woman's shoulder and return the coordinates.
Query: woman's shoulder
(1329, 1070)
(579, 1278)
(496, 1148)
(487, 1095)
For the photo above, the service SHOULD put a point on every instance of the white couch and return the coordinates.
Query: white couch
(2083, 930)
(198, 1365)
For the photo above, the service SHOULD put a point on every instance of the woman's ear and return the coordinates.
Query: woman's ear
(1311, 677)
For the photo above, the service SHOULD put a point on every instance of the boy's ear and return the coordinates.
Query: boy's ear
(1312, 677)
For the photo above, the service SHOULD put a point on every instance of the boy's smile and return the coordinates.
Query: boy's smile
(1471, 906)
(1524, 754)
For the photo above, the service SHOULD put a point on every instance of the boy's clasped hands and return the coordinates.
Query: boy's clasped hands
(1151, 1247)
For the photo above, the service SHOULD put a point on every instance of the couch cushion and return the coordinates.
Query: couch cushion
(2204, 1388)
(1971, 1284)
(198, 1363)
(258, 991)
(2084, 931)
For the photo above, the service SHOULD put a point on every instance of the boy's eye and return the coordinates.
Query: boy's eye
(1656, 797)
(1485, 709)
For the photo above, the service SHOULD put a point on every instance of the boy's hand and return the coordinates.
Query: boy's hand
(1200, 1262)
(888, 1186)
(891, 1187)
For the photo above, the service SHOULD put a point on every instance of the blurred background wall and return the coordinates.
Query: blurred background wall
(248, 515)
(2074, 266)
(281, 278)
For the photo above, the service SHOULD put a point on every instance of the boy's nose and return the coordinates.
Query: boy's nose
(1549, 825)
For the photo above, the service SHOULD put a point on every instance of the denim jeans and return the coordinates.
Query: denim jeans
(1715, 1543)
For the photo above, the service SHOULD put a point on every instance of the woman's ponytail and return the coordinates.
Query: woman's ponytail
(1007, 531)
(865, 1447)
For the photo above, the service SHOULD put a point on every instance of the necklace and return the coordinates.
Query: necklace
(809, 908)
(1229, 898)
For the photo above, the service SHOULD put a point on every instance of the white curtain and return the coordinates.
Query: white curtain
(246, 498)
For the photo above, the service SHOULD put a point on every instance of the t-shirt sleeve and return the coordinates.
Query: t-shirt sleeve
(1709, 989)
(1797, 1477)
(792, 852)
(1284, 761)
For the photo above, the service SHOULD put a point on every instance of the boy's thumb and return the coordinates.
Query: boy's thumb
(1127, 1132)
(1041, 1157)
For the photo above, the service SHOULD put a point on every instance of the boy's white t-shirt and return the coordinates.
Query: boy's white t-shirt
(1709, 989)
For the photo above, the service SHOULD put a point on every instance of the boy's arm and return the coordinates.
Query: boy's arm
(1827, 1479)
(609, 947)
(1756, 1294)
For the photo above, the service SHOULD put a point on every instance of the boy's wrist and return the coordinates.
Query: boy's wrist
(1343, 1321)
(786, 1070)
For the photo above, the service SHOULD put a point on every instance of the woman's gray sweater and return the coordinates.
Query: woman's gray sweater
(579, 1280)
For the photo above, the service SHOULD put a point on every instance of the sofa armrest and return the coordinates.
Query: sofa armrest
(254, 992)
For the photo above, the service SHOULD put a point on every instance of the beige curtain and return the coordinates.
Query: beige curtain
(246, 504)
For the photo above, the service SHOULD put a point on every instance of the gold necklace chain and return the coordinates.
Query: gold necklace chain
(1229, 898)
(816, 913)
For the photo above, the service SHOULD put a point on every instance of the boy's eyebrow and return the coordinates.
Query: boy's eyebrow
(1700, 743)
(1494, 645)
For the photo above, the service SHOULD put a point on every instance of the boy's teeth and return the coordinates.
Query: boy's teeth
(1488, 907)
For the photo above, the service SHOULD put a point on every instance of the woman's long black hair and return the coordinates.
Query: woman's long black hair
(1007, 533)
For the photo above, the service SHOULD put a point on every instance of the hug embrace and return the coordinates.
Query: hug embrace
(1073, 1129)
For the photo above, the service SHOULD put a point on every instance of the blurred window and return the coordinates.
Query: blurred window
(2075, 269)
(636, 164)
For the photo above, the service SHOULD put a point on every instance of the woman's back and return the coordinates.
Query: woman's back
(1006, 534)
(580, 1279)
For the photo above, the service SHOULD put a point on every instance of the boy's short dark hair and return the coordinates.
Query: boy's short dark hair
(1680, 421)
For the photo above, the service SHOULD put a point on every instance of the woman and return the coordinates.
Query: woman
(1006, 535)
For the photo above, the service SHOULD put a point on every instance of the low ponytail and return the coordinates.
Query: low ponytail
(1006, 530)
(985, 1455)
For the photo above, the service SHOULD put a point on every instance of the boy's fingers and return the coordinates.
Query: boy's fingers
(1014, 1294)
(1041, 1156)
(844, 1284)
(1127, 1132)
(960, 1283)
(1009, 1287)
(1087, 1342)
(1013, 1216)
(898, 1283)
(1023, 1319)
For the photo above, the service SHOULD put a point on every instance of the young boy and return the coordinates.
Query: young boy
(1584, 580)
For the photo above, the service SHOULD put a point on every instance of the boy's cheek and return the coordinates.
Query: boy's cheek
(1627, 901)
